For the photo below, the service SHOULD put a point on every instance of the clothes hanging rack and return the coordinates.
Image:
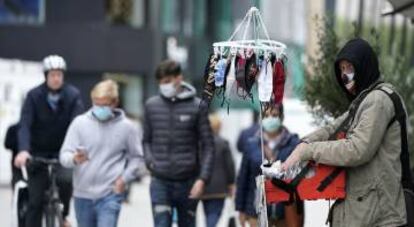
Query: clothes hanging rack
(261, 44)
(252, 19)
(253, 23)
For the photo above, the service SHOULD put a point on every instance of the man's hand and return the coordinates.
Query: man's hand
(294, 157)
(119, 186)
(197, 189)
(21, 159)
(80, 157)
(242, 219)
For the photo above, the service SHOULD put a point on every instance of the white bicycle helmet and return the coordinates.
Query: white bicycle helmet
(54, 62)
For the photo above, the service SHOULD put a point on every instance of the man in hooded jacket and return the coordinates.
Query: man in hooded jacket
(178, 147)
(369, 151)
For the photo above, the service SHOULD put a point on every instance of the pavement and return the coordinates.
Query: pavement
(137, 213)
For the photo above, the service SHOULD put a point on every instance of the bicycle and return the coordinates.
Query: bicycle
(53, 210)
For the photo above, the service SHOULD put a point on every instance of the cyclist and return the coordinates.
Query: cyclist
(46, 114)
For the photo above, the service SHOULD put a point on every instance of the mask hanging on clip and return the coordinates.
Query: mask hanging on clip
(251, 72)
(209, 79)
(279, 78)
(265, 80)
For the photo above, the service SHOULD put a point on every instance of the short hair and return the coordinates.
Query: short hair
(167, 68)
(105, 89)
(215, 122)
(277, 109)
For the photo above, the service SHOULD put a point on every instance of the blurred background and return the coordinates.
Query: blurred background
(126, 39)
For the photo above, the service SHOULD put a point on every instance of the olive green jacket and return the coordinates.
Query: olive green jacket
(370, 154)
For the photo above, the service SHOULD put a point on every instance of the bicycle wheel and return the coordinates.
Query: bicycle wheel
(49, 216)
(53, 215)
(58, 214)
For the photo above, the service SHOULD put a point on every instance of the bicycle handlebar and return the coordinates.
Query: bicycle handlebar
(47, 161)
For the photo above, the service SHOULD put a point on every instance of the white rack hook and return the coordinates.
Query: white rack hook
(264, 44)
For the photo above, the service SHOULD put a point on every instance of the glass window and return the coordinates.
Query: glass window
(22, 11)
(126, 12)
(131, 92)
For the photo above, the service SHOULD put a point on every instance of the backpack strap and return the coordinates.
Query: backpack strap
(401, 117)
(353, 108)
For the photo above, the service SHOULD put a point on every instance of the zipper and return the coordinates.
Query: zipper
(170, 131)
(100, 129)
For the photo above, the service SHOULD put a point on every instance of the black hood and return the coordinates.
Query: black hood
(365, 62)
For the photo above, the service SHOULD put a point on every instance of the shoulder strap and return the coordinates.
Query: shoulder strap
(344, 126)
(329, 179)
(401, 117)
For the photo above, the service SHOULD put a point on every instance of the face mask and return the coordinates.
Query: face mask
(271, 124)
(347, 78)
(53, 98)
(168, 90)
(102, 113)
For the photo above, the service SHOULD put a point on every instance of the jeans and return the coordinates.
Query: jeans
(167, 195)
(38, 184)
(213, 209)
(103, 212)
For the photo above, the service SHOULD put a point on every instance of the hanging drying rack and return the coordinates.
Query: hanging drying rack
(252, 20)
(264, 44)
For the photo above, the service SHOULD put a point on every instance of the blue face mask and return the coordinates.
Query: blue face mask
(271, 124)
(53, 100)
(102, 113)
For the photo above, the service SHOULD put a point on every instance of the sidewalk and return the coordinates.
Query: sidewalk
(137, 213)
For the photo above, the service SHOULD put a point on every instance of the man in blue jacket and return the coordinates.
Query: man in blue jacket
(46, 114)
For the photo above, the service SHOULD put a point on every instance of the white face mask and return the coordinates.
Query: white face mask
(168, 90)
(350, 76)
(348, 80)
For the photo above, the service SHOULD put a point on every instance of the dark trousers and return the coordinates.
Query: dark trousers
(38, 185)
(213, 209)
(167, 195)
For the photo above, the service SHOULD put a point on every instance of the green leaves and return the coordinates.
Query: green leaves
(321, 91)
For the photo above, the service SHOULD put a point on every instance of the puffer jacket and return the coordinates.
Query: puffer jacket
(370, 154)
(178, 142)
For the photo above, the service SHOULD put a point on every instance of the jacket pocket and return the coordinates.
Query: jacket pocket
(362, 208)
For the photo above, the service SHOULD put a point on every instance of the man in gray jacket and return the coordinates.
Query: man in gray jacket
(104, 148)
(176, 129)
